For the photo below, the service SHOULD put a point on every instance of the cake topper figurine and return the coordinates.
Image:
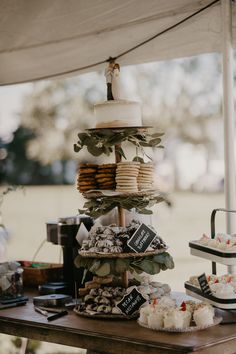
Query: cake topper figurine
(112, 73)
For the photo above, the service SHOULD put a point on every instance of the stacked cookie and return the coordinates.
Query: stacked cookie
(86, 177)
(105, 176)
(145, 176)
(126, 176)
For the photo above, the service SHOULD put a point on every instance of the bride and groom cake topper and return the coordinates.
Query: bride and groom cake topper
(112, 74)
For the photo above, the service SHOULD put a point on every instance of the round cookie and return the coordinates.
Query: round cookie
(87, 171)
(104, 175)
(107, 165)
(81, 165)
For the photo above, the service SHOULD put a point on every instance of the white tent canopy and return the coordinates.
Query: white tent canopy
(49, 38)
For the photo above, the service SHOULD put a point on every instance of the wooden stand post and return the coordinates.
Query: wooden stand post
(121, 216)
(121, 211)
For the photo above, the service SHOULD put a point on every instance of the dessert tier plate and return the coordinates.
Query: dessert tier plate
(213, 254)
(120, 255)
(105, 315)
(112, 193)
(140, 127)
(226, 304)
(193, 328)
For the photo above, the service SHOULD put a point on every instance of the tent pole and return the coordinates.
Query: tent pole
(228, 113)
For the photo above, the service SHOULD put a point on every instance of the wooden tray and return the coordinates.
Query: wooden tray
(120, 255)
(106, 316)
(40, 275)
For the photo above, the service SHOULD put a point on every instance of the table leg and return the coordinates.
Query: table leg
(24, 345)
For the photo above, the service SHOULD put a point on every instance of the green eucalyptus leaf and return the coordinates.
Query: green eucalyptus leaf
(160, 258)
(133, 268)
(163, 267)
(77, 148)
(155, 141)
(156, 268)
(103, 270)
(145, 211)
(157, 135)
(144, 143)
(138, 159)
(121, 152)
(122, 265)
(94, 150)
(95, 266)
(147, 266)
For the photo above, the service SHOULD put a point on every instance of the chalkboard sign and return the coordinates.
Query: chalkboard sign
(141, 239)
(131, 302)
(204, 284)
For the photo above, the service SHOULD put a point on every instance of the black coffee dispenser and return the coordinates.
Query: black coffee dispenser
(65, 233)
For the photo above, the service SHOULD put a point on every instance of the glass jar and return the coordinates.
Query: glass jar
(11, 280)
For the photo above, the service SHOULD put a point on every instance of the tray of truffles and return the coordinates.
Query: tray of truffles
(222, 290)
(101, 303)
(101, 299)
(164, 315)
(221, 249)
(113, 242)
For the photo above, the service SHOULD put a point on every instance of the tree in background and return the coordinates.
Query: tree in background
(183, 98)
(17, 168)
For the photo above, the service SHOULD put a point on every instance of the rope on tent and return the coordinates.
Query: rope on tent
(130, 49)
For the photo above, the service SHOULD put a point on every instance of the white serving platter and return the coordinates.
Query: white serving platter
(212, 254)
(226, 304)
(192, 328)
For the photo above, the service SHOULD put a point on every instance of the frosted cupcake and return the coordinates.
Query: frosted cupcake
(224, 291)
(145, 313)
(177, 319)
(156, 319)
(203, 315)
(167, 301)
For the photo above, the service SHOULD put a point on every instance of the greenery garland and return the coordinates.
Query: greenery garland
(102, 141)
(98, 206)
(117, 266)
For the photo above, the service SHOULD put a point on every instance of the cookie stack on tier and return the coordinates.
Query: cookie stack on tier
(86, 177)
(145, 176)
(126, 176)
(105, 176)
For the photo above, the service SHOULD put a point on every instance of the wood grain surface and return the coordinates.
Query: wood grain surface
(114, 337)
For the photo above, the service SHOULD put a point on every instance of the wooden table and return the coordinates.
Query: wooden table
(114, 337)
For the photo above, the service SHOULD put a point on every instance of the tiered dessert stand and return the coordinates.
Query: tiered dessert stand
(136, 199)
(214, 255)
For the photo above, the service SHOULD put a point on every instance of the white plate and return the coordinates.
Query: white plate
(217, 320)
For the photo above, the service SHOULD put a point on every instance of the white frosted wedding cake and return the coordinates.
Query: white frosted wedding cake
(116, 112)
